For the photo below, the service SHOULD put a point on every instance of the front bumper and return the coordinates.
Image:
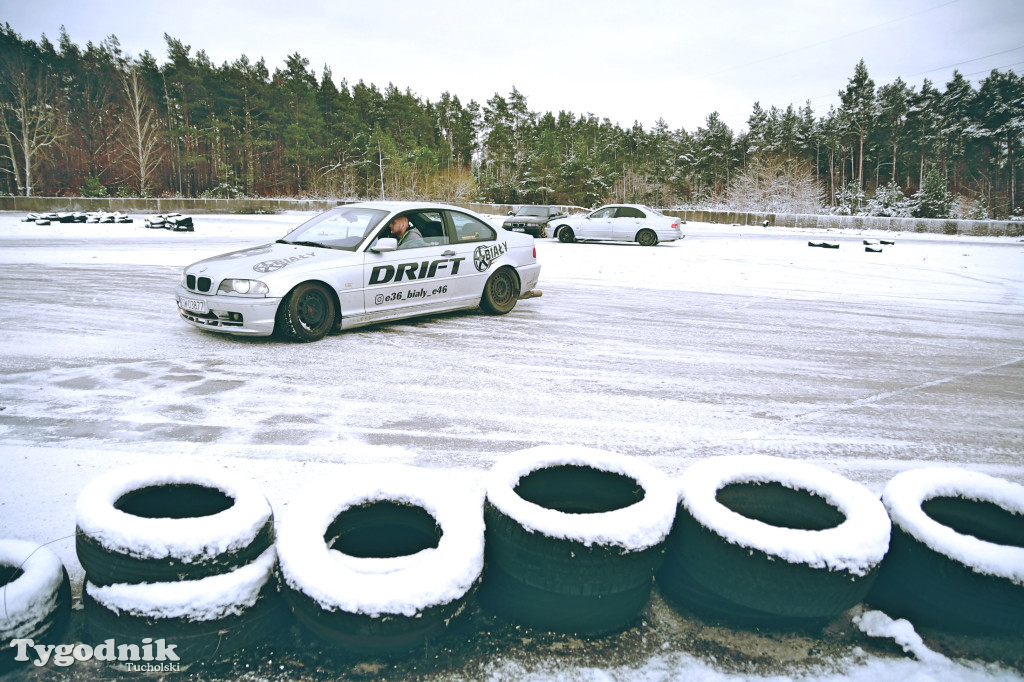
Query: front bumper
(227, 314)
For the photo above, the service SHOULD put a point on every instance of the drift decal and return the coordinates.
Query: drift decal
(485, 255)
(278, 263)
(382, 274)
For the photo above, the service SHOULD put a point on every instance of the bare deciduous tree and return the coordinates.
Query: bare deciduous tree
(775, 185)
(29, 120)
(140, 135)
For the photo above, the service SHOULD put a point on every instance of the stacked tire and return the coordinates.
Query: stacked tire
(573, 538)
(766, 541)
(185, 555)
(385, 559)
(956, 561)
(35, 597)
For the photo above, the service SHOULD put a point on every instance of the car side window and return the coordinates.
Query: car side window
(469, 229)
(431, 227)
(628, 212)
(603, 213)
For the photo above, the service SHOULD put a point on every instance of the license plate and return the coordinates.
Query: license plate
(192, 304)
(518, 229)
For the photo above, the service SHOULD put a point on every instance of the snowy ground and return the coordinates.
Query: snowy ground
(735, 340)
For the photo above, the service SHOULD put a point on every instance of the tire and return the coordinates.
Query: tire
(204, 618)
(647, 238)
(168, 525)
(574, 537)
(565, 235)
(383, 560)
(501, 291)
(772, 542)
(956, 561)
(307, 313)
(35, 597)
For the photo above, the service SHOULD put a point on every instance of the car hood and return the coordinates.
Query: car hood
(534, 219)
(260, 261)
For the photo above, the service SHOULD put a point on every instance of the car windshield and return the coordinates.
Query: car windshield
(533, 210)
(340, 228)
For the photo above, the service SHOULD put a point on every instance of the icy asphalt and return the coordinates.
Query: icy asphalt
(735, 340)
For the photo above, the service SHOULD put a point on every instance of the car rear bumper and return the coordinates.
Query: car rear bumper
(528, 277)
(228, 314)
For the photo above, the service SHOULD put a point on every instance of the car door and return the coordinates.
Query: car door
(627, 222)
(598, 225)
(408, 281)
(474, 244)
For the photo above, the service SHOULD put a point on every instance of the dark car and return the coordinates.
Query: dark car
(532, 219)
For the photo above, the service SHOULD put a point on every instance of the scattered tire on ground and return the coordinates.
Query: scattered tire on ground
(956, 561)
(384, 559)
(824, 245)
(772, 542)
(183, 523)
(574, 536)
(35, 596)
(204, 618)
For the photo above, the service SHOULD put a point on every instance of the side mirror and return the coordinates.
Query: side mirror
(384, 244)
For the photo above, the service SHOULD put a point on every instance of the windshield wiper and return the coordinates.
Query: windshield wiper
(316, 244)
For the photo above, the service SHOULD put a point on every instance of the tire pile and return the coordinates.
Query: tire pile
(77, 217)
(175, 222)
(385, 558)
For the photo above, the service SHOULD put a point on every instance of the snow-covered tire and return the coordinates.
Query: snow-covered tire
(770, 541)
(384, 559)
(956, 561)
(203, 618)
(35, 596)
(181, 523)
(574, 537)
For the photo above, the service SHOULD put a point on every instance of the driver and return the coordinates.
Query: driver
(408, 236)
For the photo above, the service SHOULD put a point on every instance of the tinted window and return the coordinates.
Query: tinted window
(629, 212)
(469, 229)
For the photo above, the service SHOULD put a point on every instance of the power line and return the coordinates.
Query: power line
(830, 40)
(976, 59)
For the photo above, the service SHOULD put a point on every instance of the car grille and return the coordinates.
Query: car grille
(200, 284)
(213, 319)
(521, 224)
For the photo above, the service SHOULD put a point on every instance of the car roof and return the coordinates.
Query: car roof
(398, 206)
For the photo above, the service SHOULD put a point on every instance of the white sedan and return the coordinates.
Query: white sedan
(347, 268)
(619, 222)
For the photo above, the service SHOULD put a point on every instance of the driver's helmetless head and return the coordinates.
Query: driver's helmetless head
(399, 225)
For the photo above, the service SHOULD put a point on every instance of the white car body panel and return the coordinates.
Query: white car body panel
(370, 286)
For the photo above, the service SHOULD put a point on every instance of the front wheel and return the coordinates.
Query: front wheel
(566, 236)
(647, 238)
(306, 313)
(501, 292)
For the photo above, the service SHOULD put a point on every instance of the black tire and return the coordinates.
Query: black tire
(565, 235)
(551, 562)
(647, 238)
(35, 598)
(501, 291)
(772, 542)
(307, 313)
(203, 619)
(384, 560)
(956, 560)
(164, 526)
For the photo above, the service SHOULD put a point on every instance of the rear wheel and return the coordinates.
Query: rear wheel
(306, 313)
(566, 236)
(647, 238)
(501, 292)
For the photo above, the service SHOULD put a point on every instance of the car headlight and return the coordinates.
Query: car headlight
(244, 287)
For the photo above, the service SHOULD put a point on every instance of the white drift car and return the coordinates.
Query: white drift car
(346, 268)
(619, 222)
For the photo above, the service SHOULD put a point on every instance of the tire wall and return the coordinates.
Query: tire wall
(976, 228)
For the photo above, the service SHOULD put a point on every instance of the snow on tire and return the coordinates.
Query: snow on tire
(35, 596)
(956, 561)
(383, 559)
(183, 523)
(574, 537)
(770, 541)
(202, 618)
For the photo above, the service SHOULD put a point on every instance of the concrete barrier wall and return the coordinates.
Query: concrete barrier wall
(829, 222)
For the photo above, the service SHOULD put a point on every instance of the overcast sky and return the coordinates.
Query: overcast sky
(626, 60)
